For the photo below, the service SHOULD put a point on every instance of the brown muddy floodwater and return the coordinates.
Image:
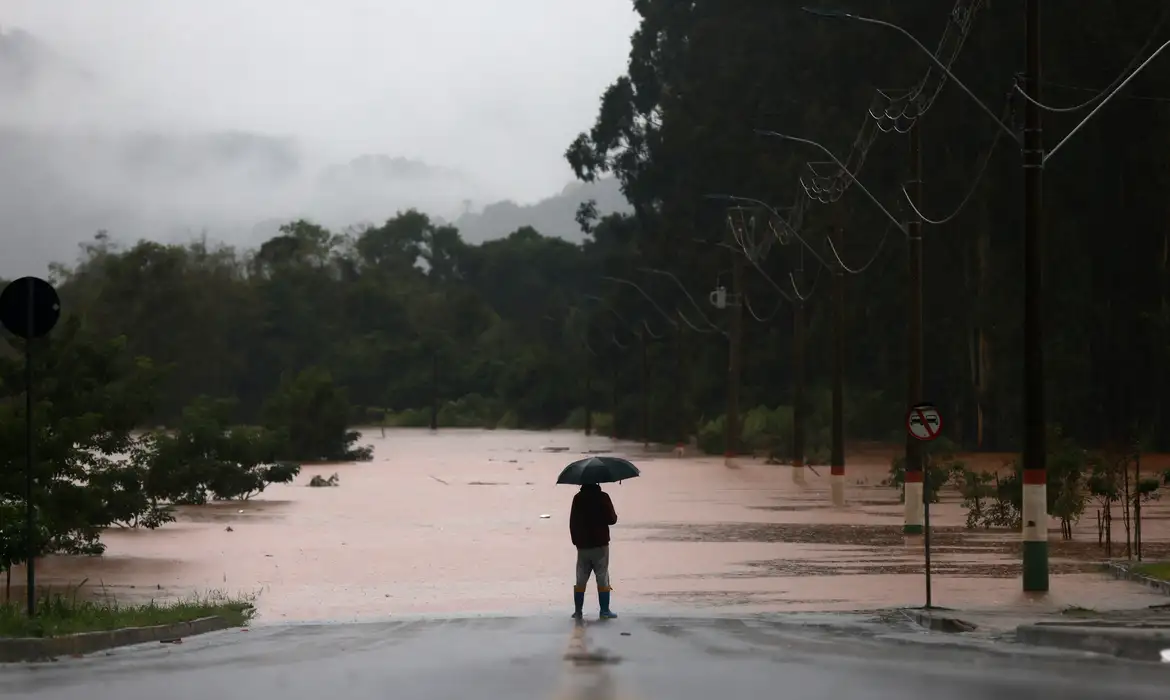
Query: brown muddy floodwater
(451, 523)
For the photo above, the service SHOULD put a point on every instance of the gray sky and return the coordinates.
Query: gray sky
(495, 89)
(491, 91)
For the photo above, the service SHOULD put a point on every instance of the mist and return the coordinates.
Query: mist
(169, 120)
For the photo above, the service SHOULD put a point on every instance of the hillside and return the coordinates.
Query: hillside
(554, 216)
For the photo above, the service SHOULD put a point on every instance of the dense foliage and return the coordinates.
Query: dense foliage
(704, 74)
(318, 330)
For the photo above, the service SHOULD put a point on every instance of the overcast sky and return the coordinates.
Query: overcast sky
(496, 89)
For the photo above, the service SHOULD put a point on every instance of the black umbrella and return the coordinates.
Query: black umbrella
(598, 470)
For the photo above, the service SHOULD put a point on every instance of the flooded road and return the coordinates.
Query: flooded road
(451, 523)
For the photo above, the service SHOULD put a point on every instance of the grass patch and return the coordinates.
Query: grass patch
(1160, 570)
(1078, 611)
(60, 614)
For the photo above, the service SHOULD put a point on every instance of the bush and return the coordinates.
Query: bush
(939, 462)
(769, 431)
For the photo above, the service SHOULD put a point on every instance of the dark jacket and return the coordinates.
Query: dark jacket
(590, 518)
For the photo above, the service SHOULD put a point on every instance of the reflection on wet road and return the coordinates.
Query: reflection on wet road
(802, 658)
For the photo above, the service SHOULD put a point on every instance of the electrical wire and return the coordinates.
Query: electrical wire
(1080, 88)
(886, 113)
(687, 321)
(678, 282)
(641, 291)
(845, 268)
(970, 191)
(747, 305)
(1116, 81)
(807, 295)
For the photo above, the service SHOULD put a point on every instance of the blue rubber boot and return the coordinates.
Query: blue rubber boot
(603, 599)
(578, 604)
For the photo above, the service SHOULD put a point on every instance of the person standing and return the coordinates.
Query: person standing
(589, 520)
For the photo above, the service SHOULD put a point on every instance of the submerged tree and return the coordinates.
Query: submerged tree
(205, 458)
(88, 397)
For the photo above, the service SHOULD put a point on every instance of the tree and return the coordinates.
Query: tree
(206, 459)
(313, 414)
(89, 397)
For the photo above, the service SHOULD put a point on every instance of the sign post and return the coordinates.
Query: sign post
(923, 422)
(29, 309)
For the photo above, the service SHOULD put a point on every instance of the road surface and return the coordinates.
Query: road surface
(547, 658)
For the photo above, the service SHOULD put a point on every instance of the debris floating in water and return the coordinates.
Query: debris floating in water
(1166, 656)
(545, 515)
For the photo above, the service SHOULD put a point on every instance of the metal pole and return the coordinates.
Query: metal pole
(645, 395)
(588, 391)
(1035, 497)
(837, 462)
(30, 461)
(1137, 503)
(731, 447)
(434, 389)
(926, 533)
(613, 401)
(680, 390)
(798, 404)
(915, 485)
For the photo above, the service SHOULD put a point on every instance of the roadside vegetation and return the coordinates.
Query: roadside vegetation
(1109, 485)
(64, 613)
(1158, 570)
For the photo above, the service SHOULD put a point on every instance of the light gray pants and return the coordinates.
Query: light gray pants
(594, 560)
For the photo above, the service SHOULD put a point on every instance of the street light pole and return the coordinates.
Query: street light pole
(837, 453)
(1035, 496)
(735, 304)
(798, 332)
(588, 388)
(682, 435)
(434, 389)
(913, 491)
(645, 371)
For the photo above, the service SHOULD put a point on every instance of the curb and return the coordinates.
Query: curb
(1123, 572)
(937, 621)
(48, 648)
(1144, 645)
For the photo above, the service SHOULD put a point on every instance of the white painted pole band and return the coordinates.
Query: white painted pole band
(913, 508)
(1035, 513)
(837, 488)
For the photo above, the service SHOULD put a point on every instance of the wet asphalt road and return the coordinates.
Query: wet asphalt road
(633, 658)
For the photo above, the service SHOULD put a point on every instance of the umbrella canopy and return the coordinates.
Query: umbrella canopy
(598, 470)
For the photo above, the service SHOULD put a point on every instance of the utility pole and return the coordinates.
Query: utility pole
(680, 384)
(434, 389)
(914, 493)
(1035, 497)
(613, 400)
(735, 302)
(645, 396)
(798, 332)
(588, 388)
(837, 460)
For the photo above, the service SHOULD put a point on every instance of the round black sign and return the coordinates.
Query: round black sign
(29, 307)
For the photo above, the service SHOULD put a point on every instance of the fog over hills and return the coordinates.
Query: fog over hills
(73, 162)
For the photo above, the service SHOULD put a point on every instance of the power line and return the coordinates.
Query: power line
(974, 183)
(1102, 94)
(845, 268)
(887, 113)
(1080, 88)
